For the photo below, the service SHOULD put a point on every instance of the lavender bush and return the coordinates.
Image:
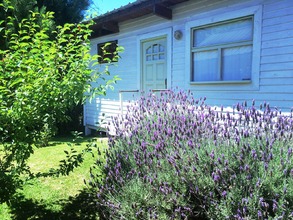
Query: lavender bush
(174, 157)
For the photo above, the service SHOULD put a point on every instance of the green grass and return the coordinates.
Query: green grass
(63, 197)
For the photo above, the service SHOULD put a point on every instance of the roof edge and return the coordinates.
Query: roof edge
(109, 23)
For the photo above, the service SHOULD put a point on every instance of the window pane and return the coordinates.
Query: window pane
(155, 48)
(106, 51)
(148, 58)
(205, 66)
(236, 63)
(223, 33)
(149, 50)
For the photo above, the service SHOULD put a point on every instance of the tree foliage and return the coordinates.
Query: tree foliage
(40, 79)
(66, 11)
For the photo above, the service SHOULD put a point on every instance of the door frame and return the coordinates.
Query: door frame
(144, 63)
(165, 33)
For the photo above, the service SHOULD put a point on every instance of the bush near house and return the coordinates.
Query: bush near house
(174, 157)
(44, 73)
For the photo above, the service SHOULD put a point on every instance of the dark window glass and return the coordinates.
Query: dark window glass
(107, 51)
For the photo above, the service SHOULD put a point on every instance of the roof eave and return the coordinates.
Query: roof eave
(109, 22)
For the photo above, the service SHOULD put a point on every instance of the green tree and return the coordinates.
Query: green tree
(21, 10)
(66, 11)
(40, 79)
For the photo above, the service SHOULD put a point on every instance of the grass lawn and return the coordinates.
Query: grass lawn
(63, 197)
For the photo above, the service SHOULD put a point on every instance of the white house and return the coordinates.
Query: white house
(226, 50)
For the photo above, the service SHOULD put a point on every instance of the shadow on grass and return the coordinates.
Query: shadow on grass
(67, 140)
(79, 140)
(80, 207)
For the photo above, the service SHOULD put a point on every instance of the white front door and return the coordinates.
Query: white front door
(154, 64)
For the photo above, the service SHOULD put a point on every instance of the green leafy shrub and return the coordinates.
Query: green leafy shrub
(43, 74)
(174, 157)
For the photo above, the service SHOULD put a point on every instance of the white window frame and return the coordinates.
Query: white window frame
(253, 83)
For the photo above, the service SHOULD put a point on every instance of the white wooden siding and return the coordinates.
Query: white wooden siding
(276, 78)
(276, 55)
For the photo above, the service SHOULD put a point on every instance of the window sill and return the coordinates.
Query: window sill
(220, 82)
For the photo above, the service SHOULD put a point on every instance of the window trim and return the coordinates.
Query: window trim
(220, 17)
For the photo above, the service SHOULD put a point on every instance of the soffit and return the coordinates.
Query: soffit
(109, 23)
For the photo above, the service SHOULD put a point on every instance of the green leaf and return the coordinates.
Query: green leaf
(15, 82)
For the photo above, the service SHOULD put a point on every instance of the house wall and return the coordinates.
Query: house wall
(274, 83)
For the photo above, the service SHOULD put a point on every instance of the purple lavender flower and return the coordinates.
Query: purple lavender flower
(224, 194)
(275, 205)
(266, 166)
(245, 210)
(216, 177)
(261, 200)
(171, 136)
(212, 154)
(246, 168)
(254, 155)
(169, 132)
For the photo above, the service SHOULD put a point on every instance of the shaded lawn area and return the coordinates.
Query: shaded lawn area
(63, 197)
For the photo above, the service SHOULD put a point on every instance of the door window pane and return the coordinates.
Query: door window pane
(155, 48)
(149, 50)
(148, 58)
(155, 52)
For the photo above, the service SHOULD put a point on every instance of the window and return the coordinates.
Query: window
(155, 52)
(222, 52)
(107, 52)
(224, 49)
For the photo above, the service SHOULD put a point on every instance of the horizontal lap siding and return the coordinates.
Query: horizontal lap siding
(94, 111)
(230, 99)
(99, 112)
(276, 78)
(276, 65)
(178, 58)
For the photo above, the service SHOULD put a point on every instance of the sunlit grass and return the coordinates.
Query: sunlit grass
(52, 193)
